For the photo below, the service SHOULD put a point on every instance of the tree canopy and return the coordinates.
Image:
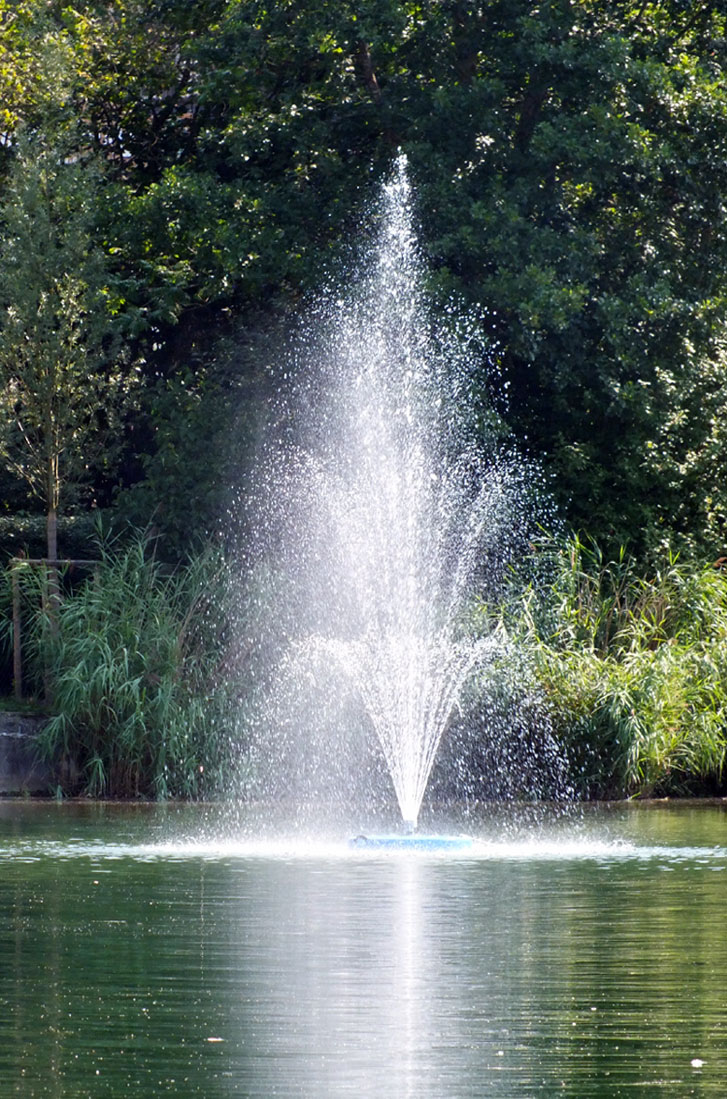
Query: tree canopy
(570, 162)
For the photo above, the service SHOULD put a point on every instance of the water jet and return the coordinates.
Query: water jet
(390, 510)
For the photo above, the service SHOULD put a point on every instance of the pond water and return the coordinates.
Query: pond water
(141, 955)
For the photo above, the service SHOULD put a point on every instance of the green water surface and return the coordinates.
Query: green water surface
(585, 961)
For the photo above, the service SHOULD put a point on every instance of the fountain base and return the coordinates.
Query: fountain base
(412, 842)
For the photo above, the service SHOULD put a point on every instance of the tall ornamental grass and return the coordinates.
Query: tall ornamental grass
(634, 670)
(134, 665)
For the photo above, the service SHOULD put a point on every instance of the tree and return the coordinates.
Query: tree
(569, 160)
(59, 380)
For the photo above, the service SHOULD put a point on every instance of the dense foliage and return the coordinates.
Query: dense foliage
(569, 159)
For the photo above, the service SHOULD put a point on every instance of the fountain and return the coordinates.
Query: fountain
(390, 509)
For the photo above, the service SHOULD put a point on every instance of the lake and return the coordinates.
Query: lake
(164, 950)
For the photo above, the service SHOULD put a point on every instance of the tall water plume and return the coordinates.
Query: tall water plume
(389, 516)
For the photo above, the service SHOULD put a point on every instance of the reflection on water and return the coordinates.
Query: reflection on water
(591, 964)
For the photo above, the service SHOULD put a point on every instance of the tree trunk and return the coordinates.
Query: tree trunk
(530, 112)
(52, 533)
(364, 67)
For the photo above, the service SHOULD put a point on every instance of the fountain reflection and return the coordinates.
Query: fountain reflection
(149, 963)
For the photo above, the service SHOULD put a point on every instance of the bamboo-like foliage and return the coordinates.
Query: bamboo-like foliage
(140, 701)
(634, 670)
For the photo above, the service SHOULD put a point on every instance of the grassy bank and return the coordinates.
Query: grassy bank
(146, 679)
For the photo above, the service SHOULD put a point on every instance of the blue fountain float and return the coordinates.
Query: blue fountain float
(413, 841)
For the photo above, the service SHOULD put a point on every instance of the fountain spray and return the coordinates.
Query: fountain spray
(397, 511)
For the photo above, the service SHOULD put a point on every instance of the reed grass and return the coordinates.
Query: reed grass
(134, 660)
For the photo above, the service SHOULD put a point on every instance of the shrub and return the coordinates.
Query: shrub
(634, 670)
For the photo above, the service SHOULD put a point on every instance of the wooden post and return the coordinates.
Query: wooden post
(17, 640)
(45, 602)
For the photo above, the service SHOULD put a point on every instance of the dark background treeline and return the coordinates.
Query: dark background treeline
(570, 166)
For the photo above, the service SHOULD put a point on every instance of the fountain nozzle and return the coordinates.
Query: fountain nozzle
(410, 827)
